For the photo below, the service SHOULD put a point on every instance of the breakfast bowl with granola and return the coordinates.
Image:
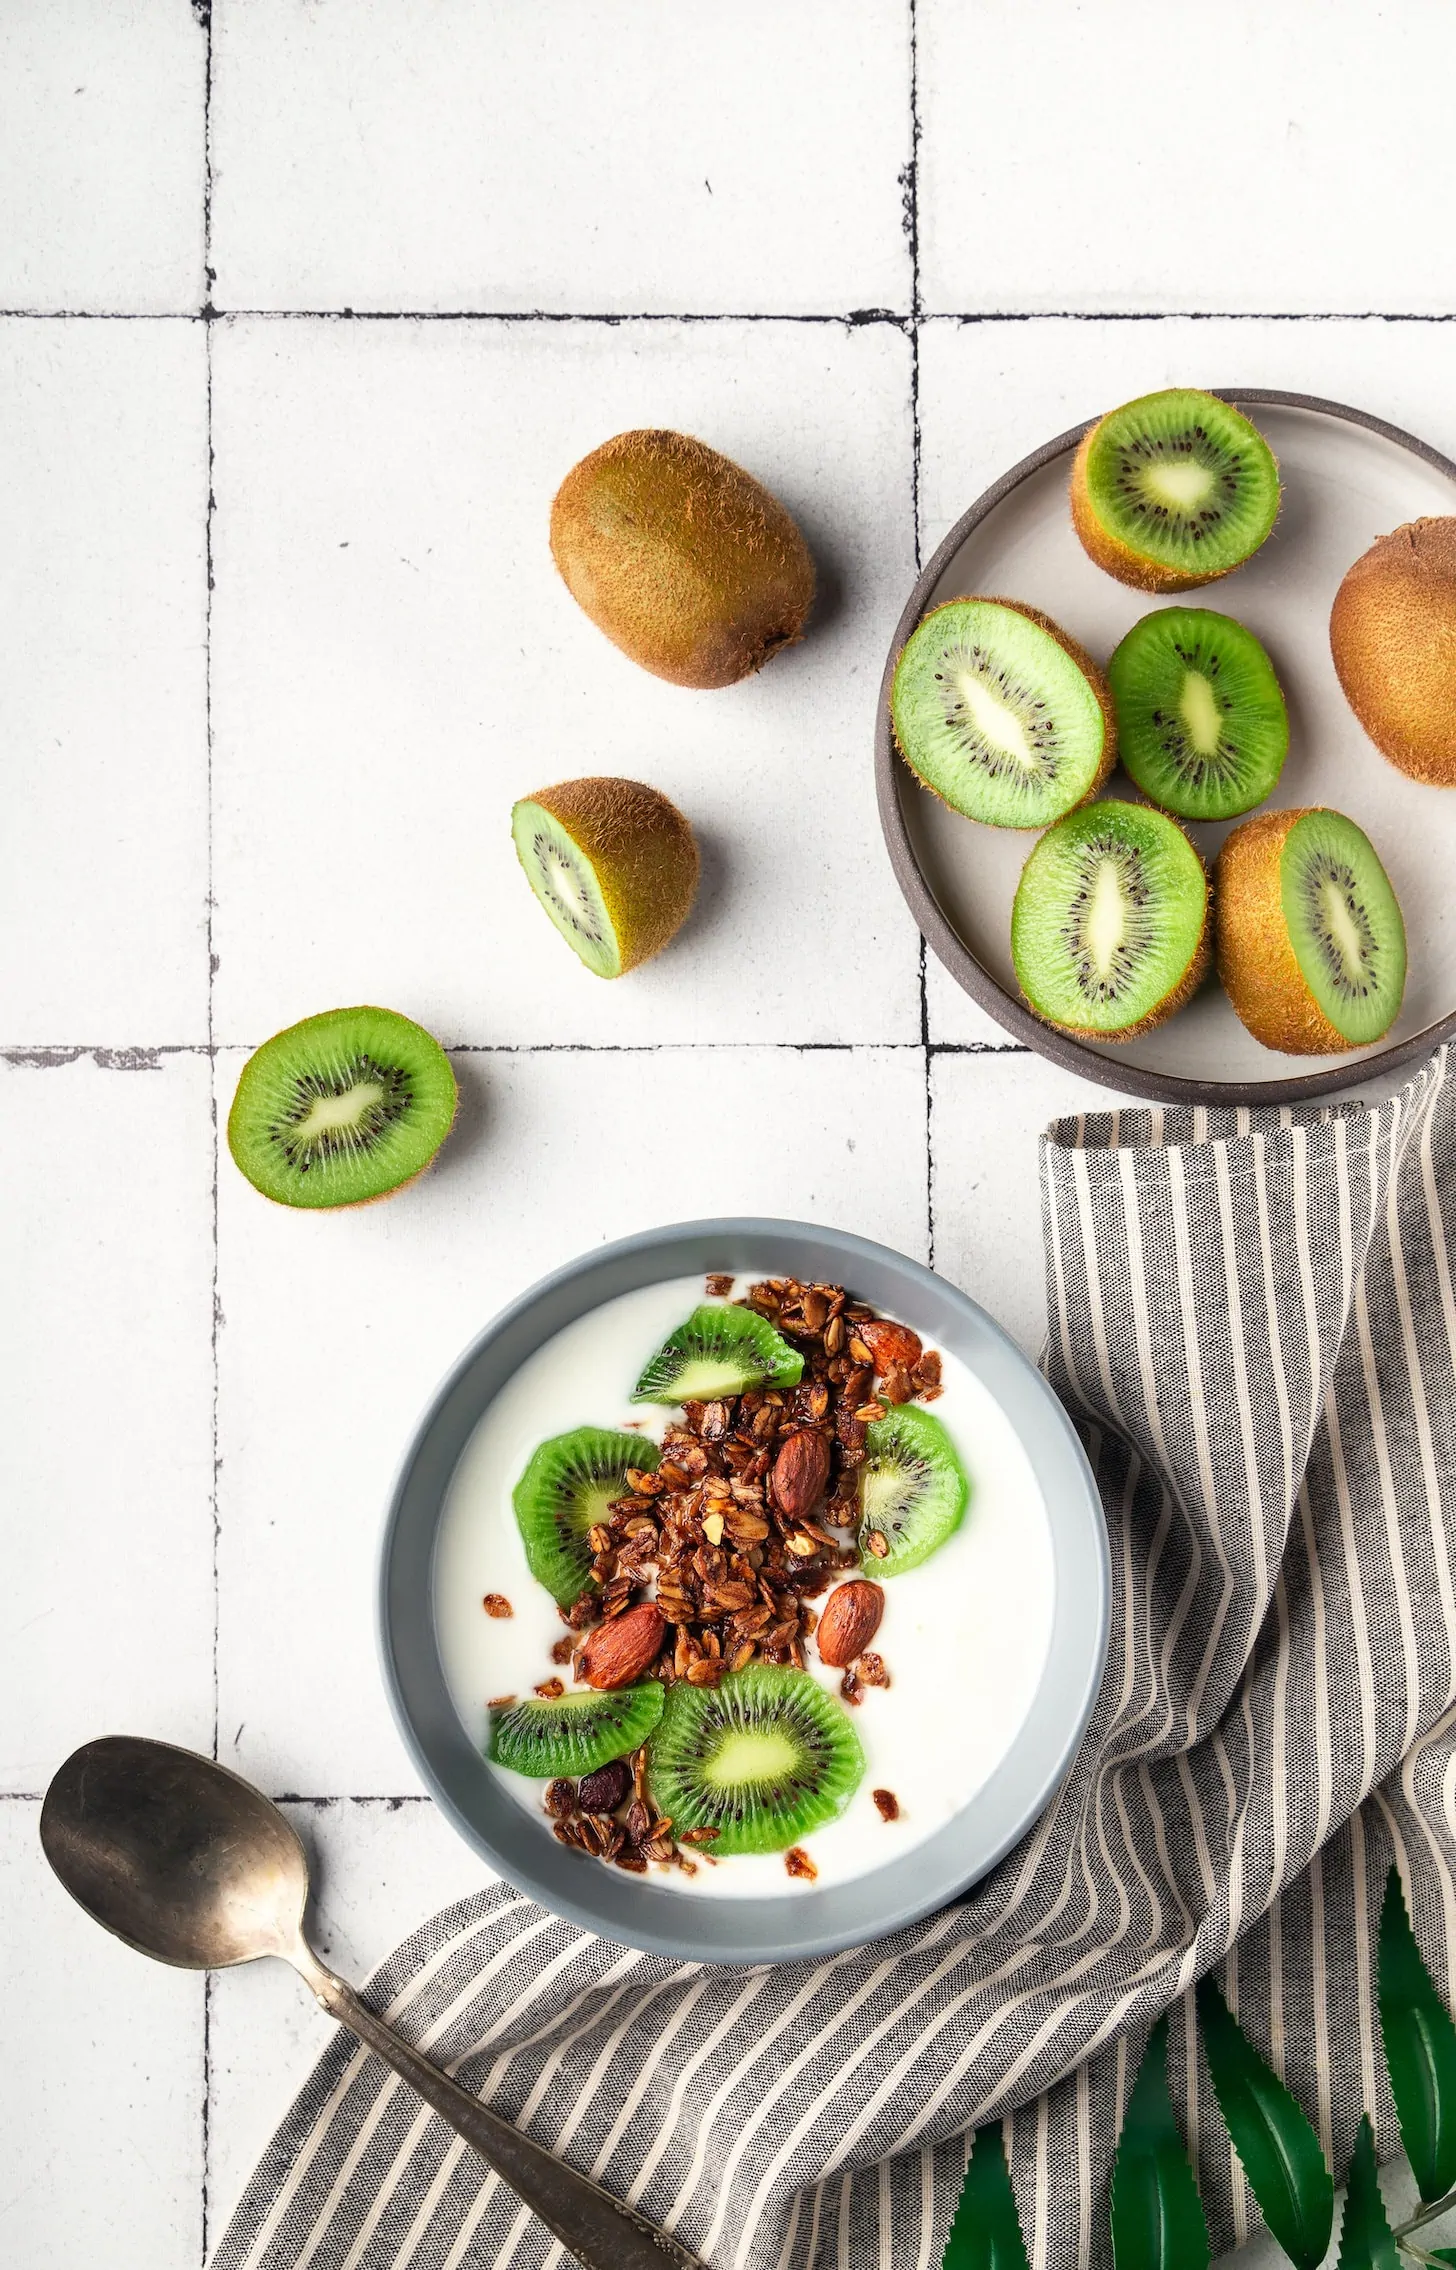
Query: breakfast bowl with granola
(744, 1592)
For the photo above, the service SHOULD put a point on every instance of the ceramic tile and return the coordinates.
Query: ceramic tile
(336, 1328)
(1060, 169)
(577, 159)
(986, 1115)
(992, 392)
(103, 709)
(101, 156)
(101, 2089)
(380, 1868)
(395, 660)
(106, 1623)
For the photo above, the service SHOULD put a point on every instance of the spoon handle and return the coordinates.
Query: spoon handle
(589, 2222)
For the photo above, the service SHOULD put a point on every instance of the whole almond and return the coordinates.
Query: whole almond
(620, 1651)
(850, 1620)
(800, 1474)
(894, 1346)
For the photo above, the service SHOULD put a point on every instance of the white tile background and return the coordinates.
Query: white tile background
(305, 308)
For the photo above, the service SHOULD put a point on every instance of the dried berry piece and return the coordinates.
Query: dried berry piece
(606, 1789)
(798, 1863)
(496, 1604)
(887, 1804)
(549, 1689)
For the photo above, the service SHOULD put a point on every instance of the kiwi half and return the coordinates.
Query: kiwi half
(574, 1734)
(1001, 714)
(341, 1108)
(913, 1490)
(567, 1487)
(1173, 490)
(1311, 944)
(1109, 927)
(613, 862)
(686, 562)
(719, 1351)
(1201, 722)
(1393, 638)
(762, 1759)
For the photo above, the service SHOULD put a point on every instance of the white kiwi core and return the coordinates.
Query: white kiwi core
(1200, 712)
(997, 722)
(1182, 483)
(350, 1109)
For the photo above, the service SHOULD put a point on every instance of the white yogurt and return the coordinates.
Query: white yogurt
(964, 1637)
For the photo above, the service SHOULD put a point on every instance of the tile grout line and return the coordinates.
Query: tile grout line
(56, 1056)
(851, 318)
(203, 9)
(911, 181)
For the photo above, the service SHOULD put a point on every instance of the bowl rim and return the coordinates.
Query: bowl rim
(793, 1926)
(952, 951)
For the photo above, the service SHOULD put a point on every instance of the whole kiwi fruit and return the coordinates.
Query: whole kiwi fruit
(683, 559)
(1393, 638)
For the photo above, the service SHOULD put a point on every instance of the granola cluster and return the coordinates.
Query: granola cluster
(745, 1521)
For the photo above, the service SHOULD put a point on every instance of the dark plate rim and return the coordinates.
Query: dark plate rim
(945, 940)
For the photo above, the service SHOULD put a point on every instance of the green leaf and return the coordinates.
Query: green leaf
(1442, 2253)
(1420, 2049)
(1157, 2221)
(986, 2233)
(1366, 2241)
(1279, 2150)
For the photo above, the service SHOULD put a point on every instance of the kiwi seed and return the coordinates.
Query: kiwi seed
(1001, 714)
(1311, 944)
(1173, 490)
(614, 864)
(1393, 638)
(1109, 927)
(342, 1108)
(686, 562)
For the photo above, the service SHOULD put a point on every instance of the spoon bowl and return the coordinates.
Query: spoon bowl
(186, 1862)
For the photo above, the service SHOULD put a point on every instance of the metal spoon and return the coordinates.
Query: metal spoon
(189, 1863)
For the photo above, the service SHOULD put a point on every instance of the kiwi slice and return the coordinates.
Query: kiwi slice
(1109, 926)
(1311, 945)
(763, 1759)
(1201, 723)
(719, 1351)
(341, 1108)
(1001, 714)
(568, 1484)
(1173, 490)
(913, 1490)
(613, 862)
(574, 1734)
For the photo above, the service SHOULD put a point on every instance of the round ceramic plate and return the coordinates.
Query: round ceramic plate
(1348, 478)
(631, 1908)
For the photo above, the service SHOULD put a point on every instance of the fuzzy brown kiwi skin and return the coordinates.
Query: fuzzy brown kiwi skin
(642, 851)
(1085, 664)
(684, 560)
(1393, 639)
(1110, 553)
(1181, 994)
(1256, 961)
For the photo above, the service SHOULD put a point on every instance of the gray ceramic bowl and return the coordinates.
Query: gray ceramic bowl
(629, 1908)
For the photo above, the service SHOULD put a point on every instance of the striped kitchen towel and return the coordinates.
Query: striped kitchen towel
(1252, 1322)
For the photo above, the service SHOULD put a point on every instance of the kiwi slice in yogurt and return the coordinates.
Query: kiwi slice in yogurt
(720, 1350)
(568, 1485)
(574, 1733)
(913, 1490)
